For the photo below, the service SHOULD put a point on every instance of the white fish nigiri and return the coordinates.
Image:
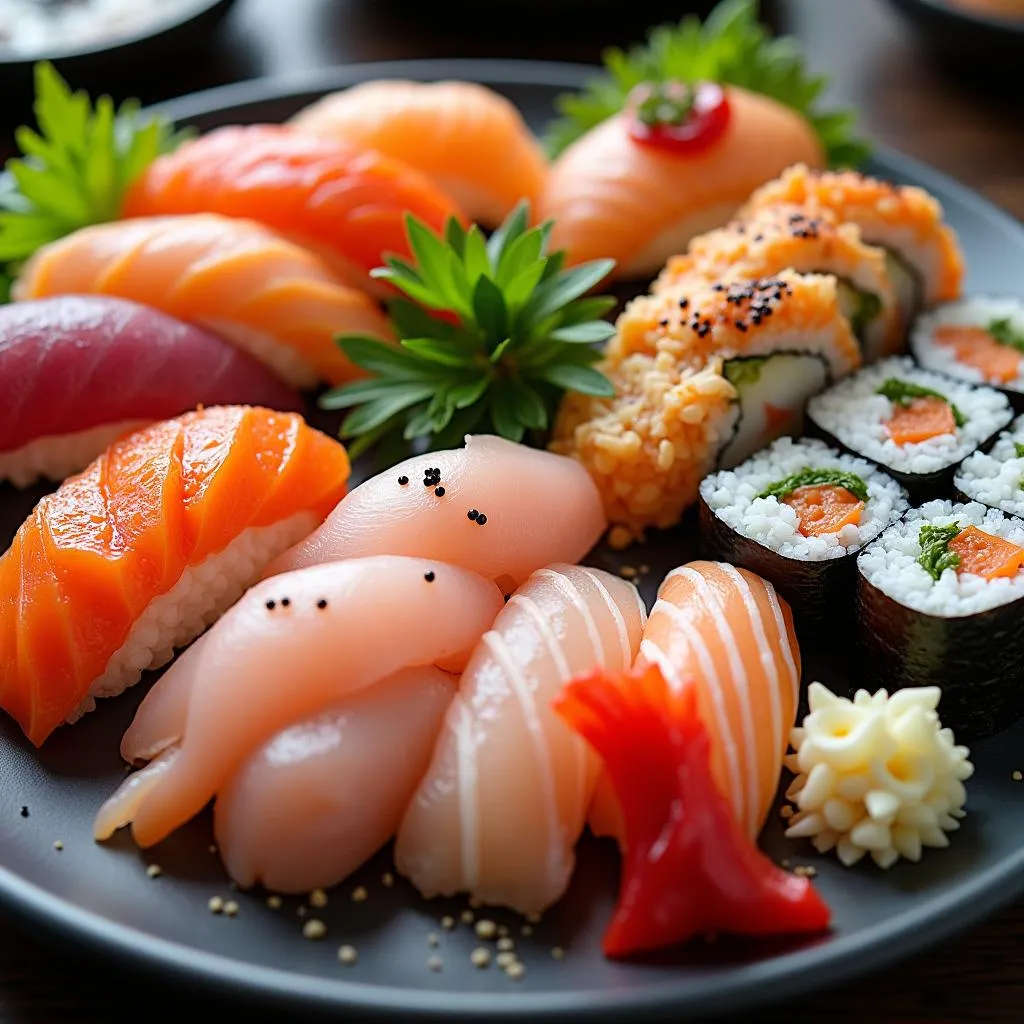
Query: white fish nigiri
(293, 646)
(506, 795)
(496, 507)
(325, 787)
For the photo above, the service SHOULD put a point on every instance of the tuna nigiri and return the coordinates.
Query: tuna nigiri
(236, 278)
(498, 508)
(139, 553)
(345, 202)
(469, 139)
(624, 191)
(505, 798)
(291, 648)
(77, 372)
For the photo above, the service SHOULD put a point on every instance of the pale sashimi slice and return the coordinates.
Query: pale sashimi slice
(324, 786)
(297, 644)
(501, 807)
(498, 508)
(727, 632)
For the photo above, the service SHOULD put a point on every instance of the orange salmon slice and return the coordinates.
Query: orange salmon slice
(986, 556)
(824, 508)
(975, 347)
(920, 419)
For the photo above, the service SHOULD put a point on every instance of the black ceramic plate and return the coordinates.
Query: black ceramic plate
(100, 899)
(967, 37)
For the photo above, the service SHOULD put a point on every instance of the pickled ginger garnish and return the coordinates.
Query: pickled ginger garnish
(934, 541)
(492, 332)
(76, 168)
(810, 477)
(730, 48)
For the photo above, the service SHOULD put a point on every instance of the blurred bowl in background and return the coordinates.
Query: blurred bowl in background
(981, 34)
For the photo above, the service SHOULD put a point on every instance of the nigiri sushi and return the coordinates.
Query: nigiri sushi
(333, 196)
(291, 648)
(506, 796)
(233, 277)
(496, 507)
(469, 139)
(924, 256)
(139, 553)
(626, 191)
(77, 372)
(727, 634)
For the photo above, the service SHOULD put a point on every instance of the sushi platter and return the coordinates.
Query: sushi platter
(392, 621)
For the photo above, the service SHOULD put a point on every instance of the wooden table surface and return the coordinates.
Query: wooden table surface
(973, 132)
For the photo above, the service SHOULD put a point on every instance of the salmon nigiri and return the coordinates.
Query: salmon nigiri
(638, 201)
(469, 139)
(138, 554)
(726, 633)
(333, 196)
(291, 648)
(496, 507)
(505, 798)
(236, 278)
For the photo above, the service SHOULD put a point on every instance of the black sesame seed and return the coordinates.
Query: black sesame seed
(285, 601)
(322, 603)
(439, 491)
(429, 577)
(683, 303)
(663, 322)
(472, 514)
(403, 480)
(481, 519)
(24, 810)
(271, 605)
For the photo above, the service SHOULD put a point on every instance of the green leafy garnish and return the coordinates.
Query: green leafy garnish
(1018, 449)
(492, 333)
(808, 477)
(74, 171)
(741, 372)
(935, 555)
(869, 305)
(731, 48)
(903, 392)
(1005, 333)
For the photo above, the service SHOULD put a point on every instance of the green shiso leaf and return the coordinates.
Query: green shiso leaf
(809, 476)
(1018, 449)
(732, 48)
(1006, 334)
(491, 334)
(76, 167)
(935, 557)
(903, 392)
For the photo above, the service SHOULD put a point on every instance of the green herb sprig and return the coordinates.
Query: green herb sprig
(1006, 334)
(808, 477)
(731, 48)
(935, 557)
(903, 392)
(75, 170)
(1018, 449)
(492, 332)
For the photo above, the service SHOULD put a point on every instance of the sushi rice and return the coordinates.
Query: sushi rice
(733, 496)
(891, 565)
(976, 311)
(855, 415)
(202, 594)
(995, 478)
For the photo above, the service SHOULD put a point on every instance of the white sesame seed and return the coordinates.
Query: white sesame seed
(231, 908)
(154, 871)
(505, 944)
(435, 963)
(318, 898)
(314, 929)
(58, 846)
(474, 903)
(1017, 776)
(505, 959)
(433, 939)
(533, 918)
(301, 910)
(515, 970)
(347, 954)
(359, 894)
(557, 953)
(526, 931)
(274, 902)
(480, 957)
(215, 904)
(387, 879)
(486, 929)
(466, 917)
(447, 923)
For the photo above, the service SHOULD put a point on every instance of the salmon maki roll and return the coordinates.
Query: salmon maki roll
(702, 380)
(779, 237)
(236, 278)
(506, 796)
(333, 196)
(613, 196)
(471, 141)
(926, 263)
(135, 556)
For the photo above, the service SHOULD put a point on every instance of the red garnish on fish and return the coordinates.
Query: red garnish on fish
(677, 116)
(689, 868)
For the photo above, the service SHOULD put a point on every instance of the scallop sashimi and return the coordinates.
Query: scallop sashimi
(234, 277)
(469, 139)
(292, 648)
(79, 371)
(138, 554)
(496, 507)
(345, 202)
(506, 796)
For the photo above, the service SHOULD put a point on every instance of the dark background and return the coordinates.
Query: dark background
(965, 121)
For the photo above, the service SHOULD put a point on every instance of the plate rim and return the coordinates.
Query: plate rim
(755, 984)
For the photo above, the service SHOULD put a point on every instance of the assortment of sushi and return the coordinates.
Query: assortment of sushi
(440, 610)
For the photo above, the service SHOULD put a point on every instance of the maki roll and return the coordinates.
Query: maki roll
(996, 478)
(980, 339)
(796, 514)
(939, 602)
(915, 424)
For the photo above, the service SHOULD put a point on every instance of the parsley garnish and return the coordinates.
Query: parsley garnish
(808, 476)
(1005, 333)
(903, 392)
(935, 555)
